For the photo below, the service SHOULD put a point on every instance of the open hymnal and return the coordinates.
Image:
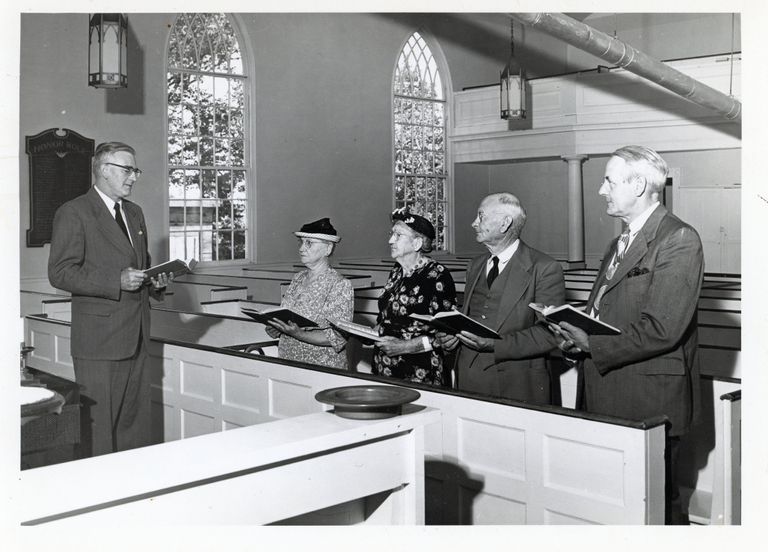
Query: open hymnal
(281, 313)
(360, 330)
(453, 322)
(576, 317)
(176, 266)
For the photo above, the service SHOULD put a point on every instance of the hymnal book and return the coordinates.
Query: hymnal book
(453, 322)
(359, 330)
(576, 317)
(176, 266)
(281, 313)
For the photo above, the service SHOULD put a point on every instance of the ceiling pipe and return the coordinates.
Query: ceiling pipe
(620, 53)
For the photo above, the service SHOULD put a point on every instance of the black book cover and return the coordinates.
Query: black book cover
(575, 317)
(283, 314)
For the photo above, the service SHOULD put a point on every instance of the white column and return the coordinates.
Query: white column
(575, 210)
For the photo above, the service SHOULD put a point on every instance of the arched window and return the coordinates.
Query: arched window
(207, 140)
(419, 115)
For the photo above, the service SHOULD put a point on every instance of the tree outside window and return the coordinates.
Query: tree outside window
(207, 174)
(420, 170)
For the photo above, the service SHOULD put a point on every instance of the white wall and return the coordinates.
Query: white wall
(322, 139)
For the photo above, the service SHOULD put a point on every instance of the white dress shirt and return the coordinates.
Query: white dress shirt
(504, 257)
(111, 207)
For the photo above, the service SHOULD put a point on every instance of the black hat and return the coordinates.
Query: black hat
(320, 230)
(416, 222)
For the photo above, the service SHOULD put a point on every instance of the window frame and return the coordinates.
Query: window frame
(445, 77)
(247, 136)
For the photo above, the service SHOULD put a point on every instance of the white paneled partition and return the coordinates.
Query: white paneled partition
(487, 462)
(256, 475)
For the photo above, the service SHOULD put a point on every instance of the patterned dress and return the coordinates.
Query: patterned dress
(329, 295)
(428, 289)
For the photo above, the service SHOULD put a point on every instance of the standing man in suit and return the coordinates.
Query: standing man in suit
(648, 287)
(499, 286)
(98, 254)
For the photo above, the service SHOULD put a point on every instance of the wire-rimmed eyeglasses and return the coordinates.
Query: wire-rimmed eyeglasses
(304, 242)
(128, 169)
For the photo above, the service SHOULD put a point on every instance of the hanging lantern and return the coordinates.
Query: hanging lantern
(107, 50)
(512, 83)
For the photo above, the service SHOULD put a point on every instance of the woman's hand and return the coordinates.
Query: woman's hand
(446, 341)
(392, 346)
(289, 328)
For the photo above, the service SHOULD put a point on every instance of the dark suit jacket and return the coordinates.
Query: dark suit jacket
(650, 369)
(517, 368)
(88, 252)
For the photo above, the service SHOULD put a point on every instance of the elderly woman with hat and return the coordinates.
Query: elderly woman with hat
(318, 293)
(416, 285)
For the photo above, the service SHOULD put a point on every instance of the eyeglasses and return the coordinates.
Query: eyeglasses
(307, 243)
(127, 169)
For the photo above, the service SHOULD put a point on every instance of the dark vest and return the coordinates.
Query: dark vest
(484, 303)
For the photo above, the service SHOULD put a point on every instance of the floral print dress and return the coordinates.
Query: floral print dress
(427, 289)
(328, 296)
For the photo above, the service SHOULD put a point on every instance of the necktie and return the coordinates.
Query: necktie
(120, 221)
(493, 272)
(621, 249)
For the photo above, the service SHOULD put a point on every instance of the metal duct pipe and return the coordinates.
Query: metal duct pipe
(622, 54)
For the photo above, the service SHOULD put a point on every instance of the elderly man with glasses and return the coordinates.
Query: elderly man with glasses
(99, 254)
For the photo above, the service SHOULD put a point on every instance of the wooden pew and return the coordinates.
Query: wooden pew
(33, 302)
(358, 278)
(287, 390)
(50, 337)
(487, 461)
(726, 489)
(370, 468)
(269, 289)
(712, 451)
(60, 308)
(186, 295)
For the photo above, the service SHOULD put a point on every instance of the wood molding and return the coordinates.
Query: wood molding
(594, 113)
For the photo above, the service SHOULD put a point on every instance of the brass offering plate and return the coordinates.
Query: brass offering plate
(367, 402)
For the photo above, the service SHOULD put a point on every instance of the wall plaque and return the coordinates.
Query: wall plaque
(59, 170)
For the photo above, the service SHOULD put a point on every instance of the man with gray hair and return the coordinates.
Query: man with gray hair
(648, 287)
(499, 286)
(99, 253)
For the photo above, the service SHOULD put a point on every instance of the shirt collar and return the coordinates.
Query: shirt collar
(108, 201)
(637, 224)
(505, 255)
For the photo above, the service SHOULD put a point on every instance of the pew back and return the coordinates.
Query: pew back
(487, 462)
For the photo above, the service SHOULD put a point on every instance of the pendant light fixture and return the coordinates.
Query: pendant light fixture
(107, 50)
(512, 83)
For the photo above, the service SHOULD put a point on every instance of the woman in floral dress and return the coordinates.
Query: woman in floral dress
(417, 285)
(318, 293)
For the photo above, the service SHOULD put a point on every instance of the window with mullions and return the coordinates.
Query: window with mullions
(207, 175)
(419, 136)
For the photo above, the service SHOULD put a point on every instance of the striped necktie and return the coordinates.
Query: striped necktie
(621, 249)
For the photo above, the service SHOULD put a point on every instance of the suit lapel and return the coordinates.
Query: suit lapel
(636, 251)
(639, 246)
(107, 225)
(600, 280)
(473, 274)
(136, 231)
(518, 278)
